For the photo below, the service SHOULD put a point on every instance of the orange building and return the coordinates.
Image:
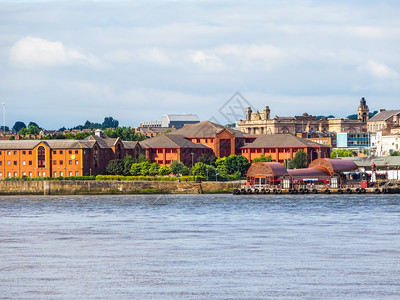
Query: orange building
(62, 158)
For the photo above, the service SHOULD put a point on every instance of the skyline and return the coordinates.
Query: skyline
(67, 62)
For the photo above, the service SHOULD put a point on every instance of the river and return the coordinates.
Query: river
(200, 247)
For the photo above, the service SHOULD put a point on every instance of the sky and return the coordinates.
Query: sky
(65, 62)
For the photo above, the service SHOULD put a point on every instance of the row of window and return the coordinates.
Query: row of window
(41, 163)
(16, 152)
(62, 152)
(167, 151)
(40, 174)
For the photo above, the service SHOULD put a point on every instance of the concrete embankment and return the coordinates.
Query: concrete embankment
(113, 187)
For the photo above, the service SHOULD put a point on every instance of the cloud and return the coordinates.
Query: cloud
(208, 62)
(37, 52)
(380, 70)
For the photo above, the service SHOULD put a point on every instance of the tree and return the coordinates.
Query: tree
(200, 169)
(236, 163)
(115, 167)
(165, 170)
(34, 124)
(263, 158)
(395, 153)
(342, 153)
(208, 159)
(33, 129)
(109, 122)
(177, 167)
(18, 126)
(135, 169)
(300, 160)
(154, 169)
(144, 168)
(128, 161)
(141, 158)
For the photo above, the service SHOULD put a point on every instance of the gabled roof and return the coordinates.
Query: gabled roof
(130, 144)
(170, 141)
(104, 142)
(281, 140)
(384, 115)
(20, 144)
(67, 144)
(205, 129)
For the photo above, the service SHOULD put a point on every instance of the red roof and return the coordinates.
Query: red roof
(266, 169)
(333, 165)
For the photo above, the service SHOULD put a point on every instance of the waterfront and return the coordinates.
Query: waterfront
(200, 246)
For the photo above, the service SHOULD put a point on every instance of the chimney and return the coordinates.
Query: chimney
(98, 132)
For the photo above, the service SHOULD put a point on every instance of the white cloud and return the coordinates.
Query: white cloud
(380, 70)
(37, 52)
(208, 62)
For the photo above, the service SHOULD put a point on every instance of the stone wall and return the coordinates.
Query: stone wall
(112, 187)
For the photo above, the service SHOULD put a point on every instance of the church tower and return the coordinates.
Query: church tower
(363, 111)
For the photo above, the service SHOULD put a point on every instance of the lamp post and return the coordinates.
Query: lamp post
(216, 175)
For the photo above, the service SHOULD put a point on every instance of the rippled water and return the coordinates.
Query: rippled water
(200, 246)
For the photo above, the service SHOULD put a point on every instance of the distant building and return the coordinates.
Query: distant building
(178, 121)
(353, 140)
(385, 119)
(262, 123)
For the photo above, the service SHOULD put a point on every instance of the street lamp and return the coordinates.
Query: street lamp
(216, 174)
(192, 166)
(4, 117)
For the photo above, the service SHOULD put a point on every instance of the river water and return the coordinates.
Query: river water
(200, 247)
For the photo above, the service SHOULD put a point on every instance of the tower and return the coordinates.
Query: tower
(267, 113)
(363, 111)
(248, 114)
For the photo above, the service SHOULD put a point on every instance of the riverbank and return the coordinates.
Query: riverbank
(97, 187)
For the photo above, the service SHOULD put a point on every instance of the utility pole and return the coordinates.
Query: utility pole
(4, 118)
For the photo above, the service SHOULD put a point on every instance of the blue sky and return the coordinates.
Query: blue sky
(65, 62)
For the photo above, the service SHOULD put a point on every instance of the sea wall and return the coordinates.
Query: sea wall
(112, 187)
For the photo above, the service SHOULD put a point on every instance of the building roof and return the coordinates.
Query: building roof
(170, 141)
(205, 129)
(379, 161)
(53, 144)
(281, 140)
(182, 117)
(384, 115)
(19, 144)
(67, 144)
(266, 169)
(333, 165)
(104, 142)
(130, 144)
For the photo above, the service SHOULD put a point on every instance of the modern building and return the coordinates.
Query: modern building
(262, 123)
(353, 140)
(178, 120)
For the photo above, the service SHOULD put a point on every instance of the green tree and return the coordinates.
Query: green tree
(177, 167)
(300, 160)
(144, 168)
(115, 167)
(234, 163)
(200, 169)
(342, 153)
(395, 153)
(141, 158)
(33, 130)
(165, 170)
(109, 122)
(18, 126)
(154, 169)
(208, 159)
(220, 163)
(263, 158)
(128, 161)
(135, 169)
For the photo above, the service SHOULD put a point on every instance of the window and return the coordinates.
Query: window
(15, 174)
(54, 151)
(39, 174)
(41, 157)
(30, 152)
(174, 151)
(30, 174)
(24, 163)
(44, 174)
(61, 152)
(76, 151)
(76, 173)
(23, 152)
(167, 161)
(70, 162)
(8, 152)
(168, 151)
(9, 174)
(1, 163)
(198, 140)
(61, 162)
(23, 173)
(70, 174)
(0, 153)
(55, 174)
(1, 175)
(8, 162)
(70, 151)
(15, 162)
(61, 174)
(54, 162)
(77, 162)
(15, 152)
(30, 163)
